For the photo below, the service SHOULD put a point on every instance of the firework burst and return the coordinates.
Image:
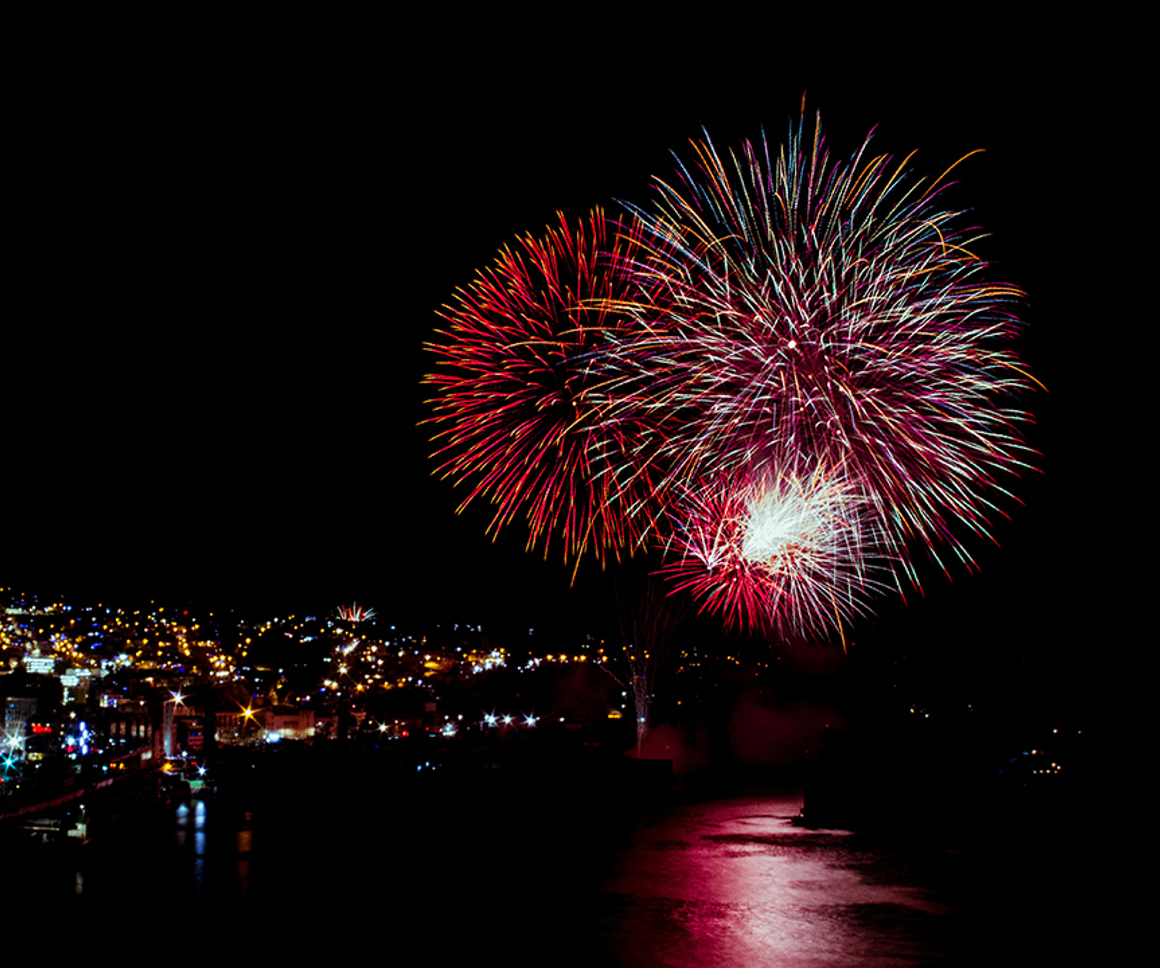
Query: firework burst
(780, 551)
(519, 426)
(788, 372)
(355, 613)
(789, 304)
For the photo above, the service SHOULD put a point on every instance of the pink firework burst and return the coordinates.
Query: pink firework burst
(789, 304)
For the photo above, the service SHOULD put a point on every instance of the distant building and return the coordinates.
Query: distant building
(288, 722)
(25, 696)
(18, 710)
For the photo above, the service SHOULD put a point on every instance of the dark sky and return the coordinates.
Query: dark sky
(232, 246)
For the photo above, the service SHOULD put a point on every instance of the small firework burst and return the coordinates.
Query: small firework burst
(355, 613)
(778, 551)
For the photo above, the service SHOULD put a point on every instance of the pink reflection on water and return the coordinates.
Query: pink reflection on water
(735, 883)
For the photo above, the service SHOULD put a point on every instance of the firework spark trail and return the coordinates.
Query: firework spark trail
(517, 421)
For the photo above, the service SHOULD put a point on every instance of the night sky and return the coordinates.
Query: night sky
(231, 248)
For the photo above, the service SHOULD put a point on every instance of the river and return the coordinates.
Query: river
(552, 874)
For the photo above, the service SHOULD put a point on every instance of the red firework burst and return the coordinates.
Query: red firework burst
(519, 424)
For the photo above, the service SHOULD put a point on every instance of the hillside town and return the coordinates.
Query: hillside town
(90, 691)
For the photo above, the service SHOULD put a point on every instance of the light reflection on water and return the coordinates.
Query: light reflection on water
(187, 817)
(722, 883)
(735, 883)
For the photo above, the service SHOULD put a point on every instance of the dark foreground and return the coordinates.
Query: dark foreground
(302, 854)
